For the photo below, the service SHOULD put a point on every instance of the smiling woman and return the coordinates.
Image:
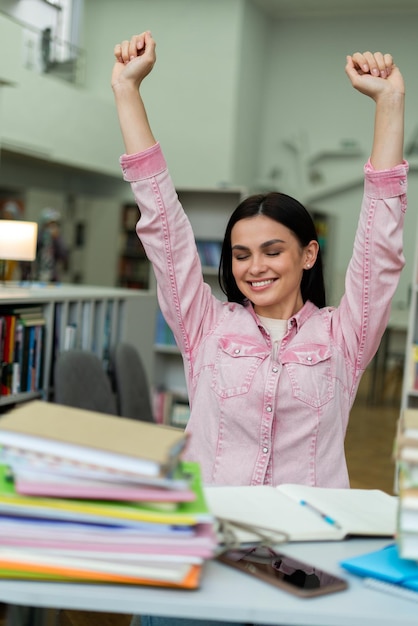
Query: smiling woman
(272, 373)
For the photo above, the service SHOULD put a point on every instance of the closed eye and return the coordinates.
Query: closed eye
(241, 257)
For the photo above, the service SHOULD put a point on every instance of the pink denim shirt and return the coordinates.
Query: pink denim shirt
(258, 417)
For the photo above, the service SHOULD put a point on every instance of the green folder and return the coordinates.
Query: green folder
(105, 511)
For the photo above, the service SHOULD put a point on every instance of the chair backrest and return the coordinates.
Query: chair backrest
(131, 383)
(81, 381)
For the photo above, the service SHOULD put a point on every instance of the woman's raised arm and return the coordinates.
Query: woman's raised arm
(135, 59)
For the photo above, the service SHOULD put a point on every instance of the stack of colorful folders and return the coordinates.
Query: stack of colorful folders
(406, 455)
(91, 497)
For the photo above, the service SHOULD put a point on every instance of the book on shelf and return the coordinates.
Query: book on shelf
(2, 335)
(28, 312)
(180, 412)
(406, 442)
(70, 337)
(407, 523)
(407, 542)
(406, 456)
(40, 356)
(304, 513)
(130, 216)
(161, 405)
(163, 334)
(33, 355)
(171, 407)
(8, 353)
(407, 474)
(413, 367)
(18, 358)
(408, 422)
(209, 252)
(132, 246)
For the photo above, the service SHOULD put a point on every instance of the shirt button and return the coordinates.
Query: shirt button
(237, 350)
(309, 358)
(265, 450)
(269, 409)
(275, 370)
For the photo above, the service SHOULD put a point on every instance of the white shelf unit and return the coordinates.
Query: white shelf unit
(208, 211)
(410, 371)
(100, 316)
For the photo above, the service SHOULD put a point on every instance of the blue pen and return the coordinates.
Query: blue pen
(324, 516)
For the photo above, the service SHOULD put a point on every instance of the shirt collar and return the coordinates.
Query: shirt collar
(297, 320)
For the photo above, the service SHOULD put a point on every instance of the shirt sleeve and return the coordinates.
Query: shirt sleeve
(375, 266)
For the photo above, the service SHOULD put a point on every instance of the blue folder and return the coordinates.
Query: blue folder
(385, 565)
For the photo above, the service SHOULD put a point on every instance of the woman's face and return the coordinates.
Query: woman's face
(268, 263)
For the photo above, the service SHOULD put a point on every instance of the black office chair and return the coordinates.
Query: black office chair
(81, 381)
(131, 383)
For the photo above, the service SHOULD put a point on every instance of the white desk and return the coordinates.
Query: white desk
(226, 594)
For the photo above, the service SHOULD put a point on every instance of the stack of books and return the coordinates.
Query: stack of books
(99, 498)
(406, 456)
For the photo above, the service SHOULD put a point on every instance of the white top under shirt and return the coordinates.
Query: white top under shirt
(276, 328)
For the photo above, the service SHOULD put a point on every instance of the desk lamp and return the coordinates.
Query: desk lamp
(18, 241)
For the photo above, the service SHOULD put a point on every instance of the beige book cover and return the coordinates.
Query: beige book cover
(90, 437)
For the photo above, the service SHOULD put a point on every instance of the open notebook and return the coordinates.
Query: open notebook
(304, 513)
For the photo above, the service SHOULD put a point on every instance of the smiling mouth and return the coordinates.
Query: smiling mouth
(261, 283)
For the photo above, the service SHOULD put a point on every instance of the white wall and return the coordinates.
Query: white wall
(307, 89)
(191, 94)
(249, 97)
(49, 118)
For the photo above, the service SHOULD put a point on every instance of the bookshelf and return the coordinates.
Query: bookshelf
(410, 376)
(79, 316)
(134, 267)
(208, 211)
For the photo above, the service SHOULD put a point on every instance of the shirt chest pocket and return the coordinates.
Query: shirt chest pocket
(310, 370)
(235, 366)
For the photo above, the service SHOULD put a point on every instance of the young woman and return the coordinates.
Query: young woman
(272, 373)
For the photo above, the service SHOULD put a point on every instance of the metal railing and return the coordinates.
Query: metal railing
(46, 54)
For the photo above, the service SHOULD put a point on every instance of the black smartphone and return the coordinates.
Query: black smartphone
(287, 573)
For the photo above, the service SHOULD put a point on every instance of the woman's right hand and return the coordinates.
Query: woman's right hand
(135, 59)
